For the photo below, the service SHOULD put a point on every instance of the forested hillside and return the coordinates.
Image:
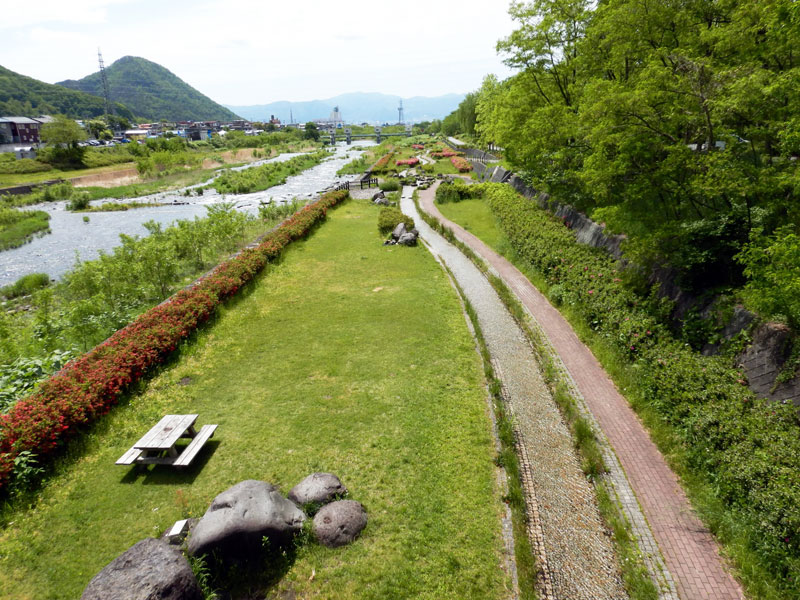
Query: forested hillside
(152, 92)
(23, 96)
(675, 122)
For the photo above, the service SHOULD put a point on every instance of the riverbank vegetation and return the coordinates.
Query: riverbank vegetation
(266, 176)
(20, 226)
(737, 455)
(100, 296)
(404, 425)
(671, 125)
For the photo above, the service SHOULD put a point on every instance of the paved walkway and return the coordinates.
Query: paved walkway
(575, 557)
(690, 552)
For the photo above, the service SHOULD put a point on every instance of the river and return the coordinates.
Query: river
(71, 239)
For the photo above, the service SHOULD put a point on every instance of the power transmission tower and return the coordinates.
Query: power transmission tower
(105, 86)
(400, 112)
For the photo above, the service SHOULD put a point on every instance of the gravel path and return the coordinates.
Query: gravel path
(575, 556)
(651, 496)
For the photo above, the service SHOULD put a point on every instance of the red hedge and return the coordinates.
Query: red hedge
(409, 161)
(87, 387)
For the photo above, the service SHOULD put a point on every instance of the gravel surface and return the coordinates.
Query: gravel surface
(574, 552)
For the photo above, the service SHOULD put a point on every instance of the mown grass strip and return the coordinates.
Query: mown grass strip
(344, 356)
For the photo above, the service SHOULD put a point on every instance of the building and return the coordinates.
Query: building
(19, 130)
(136, 134)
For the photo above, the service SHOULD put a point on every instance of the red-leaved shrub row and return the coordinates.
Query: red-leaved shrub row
(461, 164)
(446, 153)
(409, 161)
(418, 146)
(382, 162)
(90, 385)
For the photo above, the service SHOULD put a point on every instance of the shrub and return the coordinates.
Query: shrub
(411, 162)
(390, 185)
(456, 191)
(461, 164)
(22, 166)
(390, 217)
(79, 201)
(25, 285)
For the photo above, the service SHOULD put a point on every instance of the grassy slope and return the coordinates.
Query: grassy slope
(315, 369)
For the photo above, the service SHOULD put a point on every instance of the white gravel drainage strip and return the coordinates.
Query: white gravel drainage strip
(575, 556)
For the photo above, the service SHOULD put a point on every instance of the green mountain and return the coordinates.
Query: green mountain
(152, 92)
(22, 96)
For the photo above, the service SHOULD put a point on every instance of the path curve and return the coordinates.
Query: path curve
(689, 550)
(575, 556)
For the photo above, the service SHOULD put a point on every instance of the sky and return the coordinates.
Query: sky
(245, 52)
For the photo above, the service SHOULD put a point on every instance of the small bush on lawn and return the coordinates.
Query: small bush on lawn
(456, 191)
(390, 217)
(390, 185)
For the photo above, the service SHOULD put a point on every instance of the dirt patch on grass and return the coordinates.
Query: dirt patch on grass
(109, 179)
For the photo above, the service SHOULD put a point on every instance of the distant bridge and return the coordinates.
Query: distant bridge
(347, 135)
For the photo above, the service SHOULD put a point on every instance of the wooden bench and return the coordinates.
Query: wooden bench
(130, 457)
(198, 441)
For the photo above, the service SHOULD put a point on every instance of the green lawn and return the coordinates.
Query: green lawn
(347, 357)
(475, 216)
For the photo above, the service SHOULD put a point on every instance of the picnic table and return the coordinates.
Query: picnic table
(158, 446)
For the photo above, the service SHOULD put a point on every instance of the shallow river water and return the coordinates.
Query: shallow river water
(72, 239)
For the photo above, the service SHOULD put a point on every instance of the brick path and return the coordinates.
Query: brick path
(690, 552)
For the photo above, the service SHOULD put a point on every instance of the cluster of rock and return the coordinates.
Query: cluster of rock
(233, 528)
(402, 236)
(381, 200)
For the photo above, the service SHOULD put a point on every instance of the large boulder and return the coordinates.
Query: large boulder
(408, 239)
(240, 517)
(339, 523)
(148, 570)
(320, 488)
(399, 230)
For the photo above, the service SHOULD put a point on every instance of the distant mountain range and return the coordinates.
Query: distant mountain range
(152, 92)
(356, 107)
(22, 96)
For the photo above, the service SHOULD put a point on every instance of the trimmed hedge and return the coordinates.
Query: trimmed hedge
(87, 387)
(748, 449)
(390, 217)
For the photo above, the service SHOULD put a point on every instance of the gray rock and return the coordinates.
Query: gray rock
(382, 201)
(241, 516)
(148, 570)
(339, 523)
(317, 487)
(398, 231)
(377, 196)
(408, 239)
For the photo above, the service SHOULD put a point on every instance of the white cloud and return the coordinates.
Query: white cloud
(76, 12)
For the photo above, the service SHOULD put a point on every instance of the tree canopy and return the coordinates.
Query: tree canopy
(674, 121)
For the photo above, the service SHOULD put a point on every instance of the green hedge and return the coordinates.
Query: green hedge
(746, 448)
(390, 217)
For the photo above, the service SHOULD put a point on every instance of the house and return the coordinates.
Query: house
(19, 130)
(136, 134)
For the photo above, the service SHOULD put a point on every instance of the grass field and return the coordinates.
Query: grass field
(347, 357)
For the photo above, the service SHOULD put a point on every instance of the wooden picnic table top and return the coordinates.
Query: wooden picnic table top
(164, 434)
